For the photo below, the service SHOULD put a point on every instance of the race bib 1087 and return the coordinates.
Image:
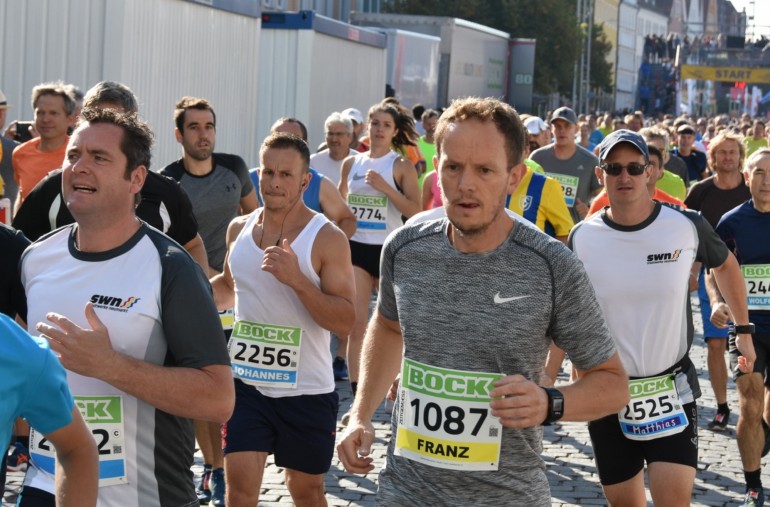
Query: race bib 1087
(444, 418)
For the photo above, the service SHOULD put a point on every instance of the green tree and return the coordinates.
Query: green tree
(553, 23)
(601, 69)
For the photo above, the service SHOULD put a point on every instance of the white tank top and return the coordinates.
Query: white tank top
(376, 215)
(261, 299)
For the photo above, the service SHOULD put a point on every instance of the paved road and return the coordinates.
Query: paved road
(567, 452)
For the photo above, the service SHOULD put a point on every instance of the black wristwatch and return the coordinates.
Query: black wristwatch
(555, 405)
(744, 329)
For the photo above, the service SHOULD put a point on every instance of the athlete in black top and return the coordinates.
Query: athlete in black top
(164, 205)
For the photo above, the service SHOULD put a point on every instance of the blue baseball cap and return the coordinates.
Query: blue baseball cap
(622, 136)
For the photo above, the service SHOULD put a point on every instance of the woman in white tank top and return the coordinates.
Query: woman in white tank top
(380, 187)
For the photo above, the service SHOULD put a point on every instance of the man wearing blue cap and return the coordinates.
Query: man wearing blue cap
(569, 164)
(638, 254)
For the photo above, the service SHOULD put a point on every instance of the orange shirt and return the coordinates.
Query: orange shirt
(30, 164)
(602, 200)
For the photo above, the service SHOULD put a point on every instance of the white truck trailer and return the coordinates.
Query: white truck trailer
(311, 66)
(474, 58)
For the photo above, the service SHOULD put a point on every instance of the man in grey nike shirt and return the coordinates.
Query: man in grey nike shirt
(474, 330)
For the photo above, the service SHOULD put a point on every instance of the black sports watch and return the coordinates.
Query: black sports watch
(744, 329)
(555, 405)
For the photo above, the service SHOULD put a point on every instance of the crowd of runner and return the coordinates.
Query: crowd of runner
(199, 302)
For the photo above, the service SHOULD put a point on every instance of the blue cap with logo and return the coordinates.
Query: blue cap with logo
(622, 136)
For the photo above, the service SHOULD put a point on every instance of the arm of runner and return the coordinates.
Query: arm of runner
(335, 208)
(405, 175)
(694, 273)
(380, 363)
(222, 283)
(249, 202)
(77, 463)
(730, 283)
(331, 305)
(601, 390)
(342, 186)
(720, 313)
(553, 363)
(89, 352)
(197, 251)
(581, 208)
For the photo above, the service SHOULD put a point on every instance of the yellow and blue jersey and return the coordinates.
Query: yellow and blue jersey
(540, 200)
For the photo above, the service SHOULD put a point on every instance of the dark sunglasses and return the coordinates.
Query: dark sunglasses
(633, 169)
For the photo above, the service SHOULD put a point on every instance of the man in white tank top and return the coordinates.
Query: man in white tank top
(289, 276)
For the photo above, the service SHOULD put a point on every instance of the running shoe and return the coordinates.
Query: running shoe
(340, 369)
(720, 421)
(754, 498)
(345, 418)
(19, 458)
(203, 488)
(217, 484)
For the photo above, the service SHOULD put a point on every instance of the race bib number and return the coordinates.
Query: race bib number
(757, 278)
(569, 186)
(654, 411)
(104, 417)
(227, 318)
(371, 211)
(265, 354)
(444, 418)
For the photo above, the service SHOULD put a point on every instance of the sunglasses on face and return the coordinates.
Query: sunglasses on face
(633, 169)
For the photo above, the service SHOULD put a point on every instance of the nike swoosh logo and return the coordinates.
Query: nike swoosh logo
(499, 299)
(357, 177)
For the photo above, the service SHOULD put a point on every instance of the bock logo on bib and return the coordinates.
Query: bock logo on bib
(371, 211)
(569, 186)
(654, 411)
(104, 417)
(444, 418)
(265, 355)
(757, 278)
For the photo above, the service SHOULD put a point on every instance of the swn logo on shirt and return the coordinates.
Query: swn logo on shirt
(663, 257)
(113, 303)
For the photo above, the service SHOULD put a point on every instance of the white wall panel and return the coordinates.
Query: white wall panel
(301, 76)
(360, 84)
(48, 40)
(171, 49)
(162, 49)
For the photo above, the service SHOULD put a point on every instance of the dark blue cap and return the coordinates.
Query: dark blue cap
(566, 114)
(622, 136)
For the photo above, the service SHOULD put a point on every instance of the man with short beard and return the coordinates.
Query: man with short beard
(482, 317)
(713, 197)
(218, 184)
(220, 189)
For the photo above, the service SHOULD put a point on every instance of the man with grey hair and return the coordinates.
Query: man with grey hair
(674, 181)
(54, 112)
(339, 135)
